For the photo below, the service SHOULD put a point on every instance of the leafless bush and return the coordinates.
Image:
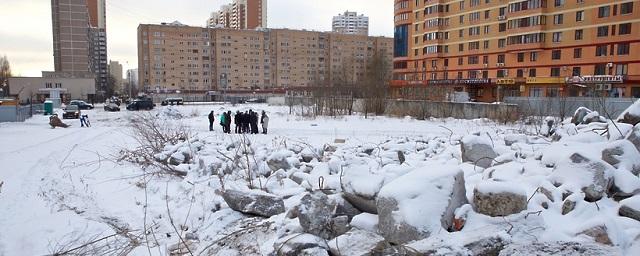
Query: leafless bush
(121, 242)
(152, 135)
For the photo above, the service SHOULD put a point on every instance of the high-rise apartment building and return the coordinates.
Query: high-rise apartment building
(240, 14)
(351, 23)
(535, 48)
(79, 38)
(174, 57)
(115, 70)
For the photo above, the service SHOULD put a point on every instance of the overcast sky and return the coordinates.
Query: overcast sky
(25, 33)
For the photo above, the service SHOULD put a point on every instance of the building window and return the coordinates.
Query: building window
(502, 43)
(48, 85)
(532, 72)
(600, 69)
(501, 58)
(579, 34)
(460, 62)
(604, 11)
(579, 15)
(521, 57)
(519, 73)
(622, 69)
(485, 74)
(559, 3)
(601, 50)
(558, 19)
(576, 71)
(556, 54)
(485, 44)
(487, 14)
(623, 49)
(501, 73)
(626, 8)
(555, 72)
(603, 31)
(461, 19)
(460, 47)
(485, 59)
(557, 37)
(624, 29)
(533, 56)
(577, 53)
(535, 92)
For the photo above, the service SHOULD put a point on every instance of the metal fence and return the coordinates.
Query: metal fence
(19, 113)
(566, 106)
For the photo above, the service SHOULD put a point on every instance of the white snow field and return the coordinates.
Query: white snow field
(296, 191)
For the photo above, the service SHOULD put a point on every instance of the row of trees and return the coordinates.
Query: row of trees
(337, 95)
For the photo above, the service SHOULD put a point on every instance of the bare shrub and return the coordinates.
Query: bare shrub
(152, 135)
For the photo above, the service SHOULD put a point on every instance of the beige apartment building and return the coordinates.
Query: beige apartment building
(174, 57)
(535, 48)
(240, 14)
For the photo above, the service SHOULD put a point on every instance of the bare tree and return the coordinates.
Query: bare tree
(5, 73)
(374, 89)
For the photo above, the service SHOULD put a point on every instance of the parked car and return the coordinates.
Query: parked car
(114, 100)
(81, 104)
(256, 100)
(173, 101)
(111, 107)
(141, 104)
(71, 112)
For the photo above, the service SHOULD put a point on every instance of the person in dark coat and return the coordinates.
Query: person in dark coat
(254, 123)
(212, 118)
(245, 121)
(228, 122)
(236, 121)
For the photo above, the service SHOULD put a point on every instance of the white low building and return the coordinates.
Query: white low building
(37, 89)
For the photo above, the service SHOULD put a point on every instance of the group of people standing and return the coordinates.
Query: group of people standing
(246, 122)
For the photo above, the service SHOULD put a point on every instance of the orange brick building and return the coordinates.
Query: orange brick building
(497, 48)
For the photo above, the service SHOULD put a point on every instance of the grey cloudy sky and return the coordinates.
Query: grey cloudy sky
(25, 33)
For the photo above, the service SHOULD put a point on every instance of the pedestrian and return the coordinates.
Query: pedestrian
(228, 122)
(264, 120)
(212, 118)
(84, 121)
(245, 121)
(254, 123)
(222, 122)
(236, 120)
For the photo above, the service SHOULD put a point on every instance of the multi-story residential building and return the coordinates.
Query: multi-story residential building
(79, 38)
(351, 23)
(240, 14)
(213, 20)
(115, 70)
(174, 57)
(497, 48)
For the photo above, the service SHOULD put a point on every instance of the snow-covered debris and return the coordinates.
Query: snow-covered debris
(360, 188)
(599, 233)
(558, 249)
(581, 115)
(622, 154)
(279, 160)
(478, 150)
(301, 244)
(494, 198)
(581, 174)
(625, 184)
(631, 115)
(634, 136)
(254, 202)
(356, 242)
(511, 139)
(630, 208)
(420, 203)
(316, 216)
(365, 221)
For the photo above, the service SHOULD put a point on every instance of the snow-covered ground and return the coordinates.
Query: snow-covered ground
(63, 188)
